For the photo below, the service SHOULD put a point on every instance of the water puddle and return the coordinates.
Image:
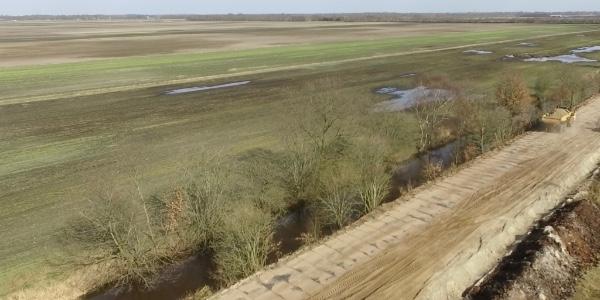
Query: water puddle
(407, 75)
(567, 59)
(405, 99)
(411, 171)
(590, 49)
(205, 88)
(478, 52)
(527, 44)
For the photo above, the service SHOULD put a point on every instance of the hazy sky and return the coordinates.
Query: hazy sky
(20, 7)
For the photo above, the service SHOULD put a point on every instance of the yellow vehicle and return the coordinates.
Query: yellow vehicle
(559, 119)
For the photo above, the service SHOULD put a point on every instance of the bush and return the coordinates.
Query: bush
(432, 170)
(373, 183)
(244, 244)
(513, 94)
(194, 211)
(373, 190)
(135, 238)
(338, 201)
(261, 181)
(116, 233)
(298, 173)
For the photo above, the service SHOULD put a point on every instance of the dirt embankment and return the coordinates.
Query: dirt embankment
(548, 262)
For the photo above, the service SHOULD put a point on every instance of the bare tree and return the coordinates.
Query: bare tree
(325, 117)
(431, 110)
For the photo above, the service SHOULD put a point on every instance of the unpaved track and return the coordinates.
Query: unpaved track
(132, 87)
(446, 235)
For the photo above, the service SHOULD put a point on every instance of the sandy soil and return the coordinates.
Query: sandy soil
(548, 262)
(437, 242)
(30, 43)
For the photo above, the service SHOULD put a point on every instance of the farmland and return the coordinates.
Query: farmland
(98, 114)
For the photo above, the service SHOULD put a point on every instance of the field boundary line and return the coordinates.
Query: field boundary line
(91, 92)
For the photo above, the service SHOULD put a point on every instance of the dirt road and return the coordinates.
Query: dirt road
(444, 237)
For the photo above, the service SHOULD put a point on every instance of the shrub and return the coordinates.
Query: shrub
(373, 190)
(201, 294)
(513, 94)
(134, 238)
(432, 170)
(373, 183)
(244, 244)
(194, 211)
(261, 181)
(115, 232)
(297, 174)
(338, 202)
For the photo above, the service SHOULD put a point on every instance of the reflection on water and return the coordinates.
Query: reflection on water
(568, 58)
(205, 88)
(405, 99)
(478, 52)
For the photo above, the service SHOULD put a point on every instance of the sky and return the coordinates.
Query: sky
(26, 7)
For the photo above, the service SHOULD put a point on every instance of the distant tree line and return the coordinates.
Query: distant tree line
(499, 17)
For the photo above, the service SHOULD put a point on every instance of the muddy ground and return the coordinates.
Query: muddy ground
(549, 261)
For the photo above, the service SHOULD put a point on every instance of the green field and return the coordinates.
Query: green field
(21, 82)
(54, 152)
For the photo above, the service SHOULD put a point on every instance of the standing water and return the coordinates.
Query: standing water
(205, 88)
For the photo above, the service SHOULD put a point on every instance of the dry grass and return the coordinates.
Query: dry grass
(73, 287)
(589, 287)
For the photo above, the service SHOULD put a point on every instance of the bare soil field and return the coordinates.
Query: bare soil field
(32, 43)
(438, 241)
